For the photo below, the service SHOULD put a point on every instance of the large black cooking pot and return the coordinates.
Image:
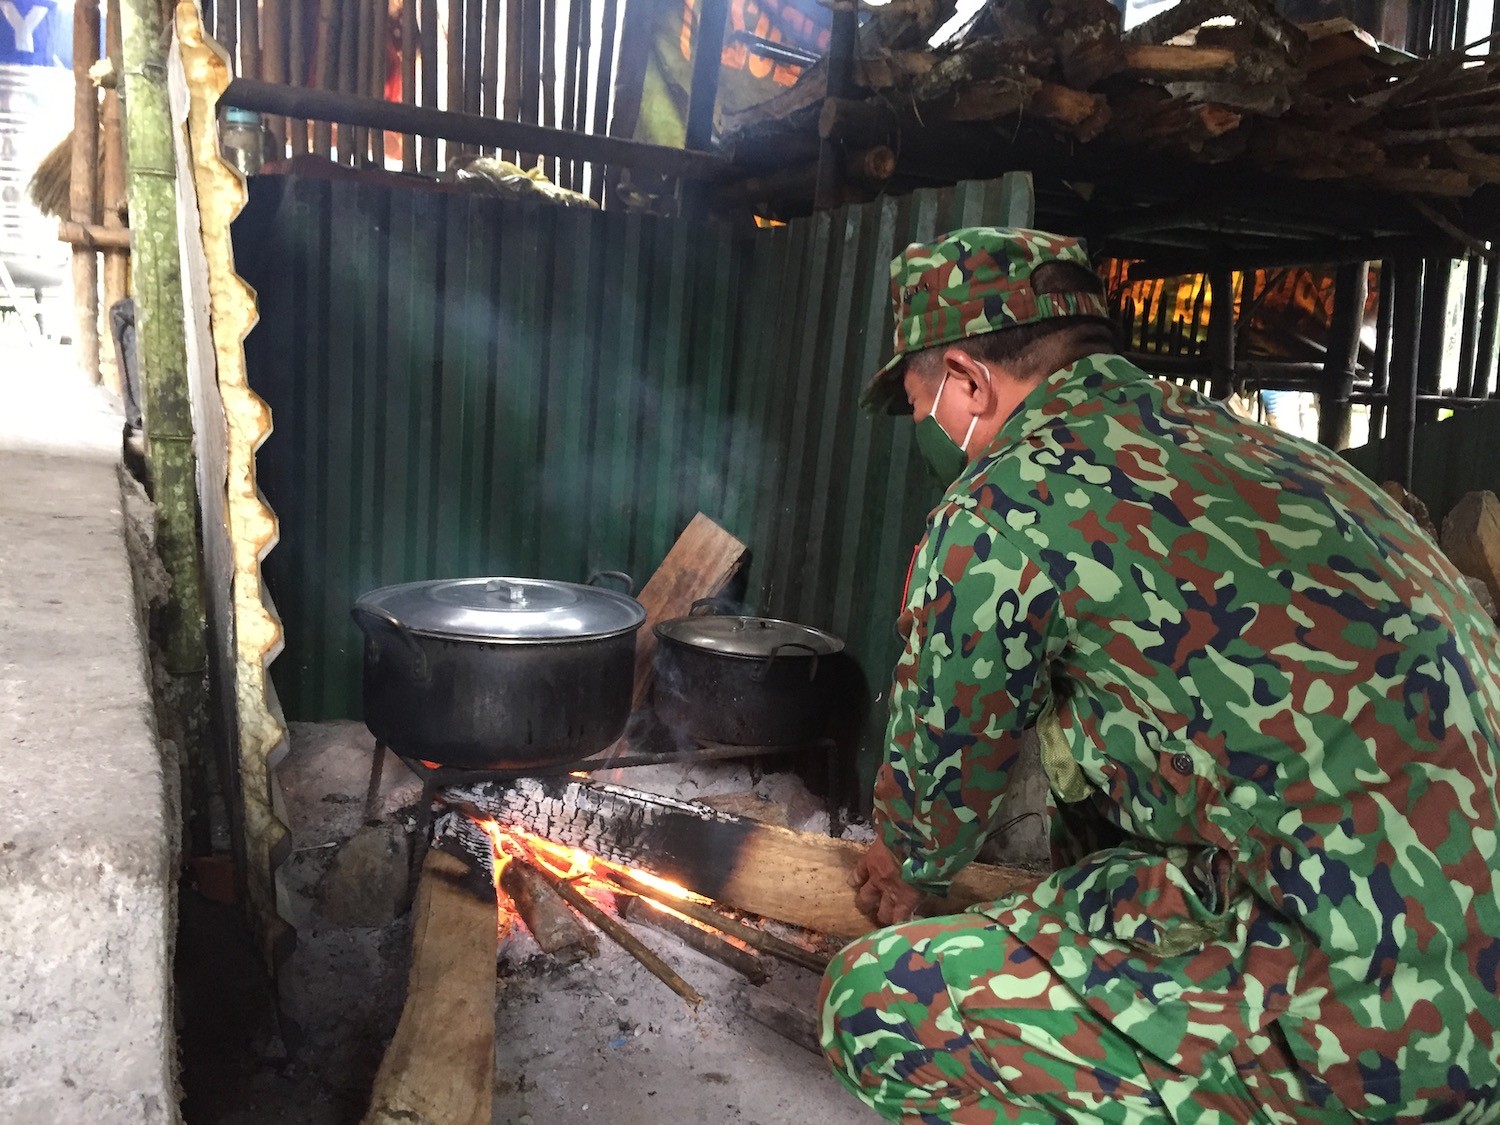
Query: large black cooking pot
(746, 681)
(486, 673)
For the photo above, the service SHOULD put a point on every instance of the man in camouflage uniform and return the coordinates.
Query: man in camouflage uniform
(1268, 712)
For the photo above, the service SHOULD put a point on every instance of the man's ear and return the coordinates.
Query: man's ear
(973, 376)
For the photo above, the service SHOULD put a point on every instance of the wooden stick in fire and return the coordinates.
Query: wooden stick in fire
(621, 935)
(556, 928)
(707, 942)
(750, 935)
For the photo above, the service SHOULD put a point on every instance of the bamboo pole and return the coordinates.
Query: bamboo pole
(455, 57)
(116, 261)
(510, 104)
(323, 67)
(349, 138)
(250, 38)
(603, 84)
(473, 57)
(548, 72)
(530, 71)
(297, 131)
(273, 62)
(428, 158)
(83, 178)
(156, 285)
(359, 77)
(567, 168)
(376, 36)
(226, 31)
(409, 78)
(490, 69)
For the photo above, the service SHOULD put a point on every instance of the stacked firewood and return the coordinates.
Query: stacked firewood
(1207, 81)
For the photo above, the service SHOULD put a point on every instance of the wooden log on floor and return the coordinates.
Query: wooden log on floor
(699, 565)
(1471, 538)
(795, 877)
(743, 961)
(556, 928)
(794, 1023)
(439, 1068)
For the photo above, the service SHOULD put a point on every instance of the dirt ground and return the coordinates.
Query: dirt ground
(602, 1042)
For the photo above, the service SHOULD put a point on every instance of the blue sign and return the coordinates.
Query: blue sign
(36, 33)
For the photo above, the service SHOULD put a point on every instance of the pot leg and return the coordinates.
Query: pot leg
(372, 792)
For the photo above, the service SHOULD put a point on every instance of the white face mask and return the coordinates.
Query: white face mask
(974, 421)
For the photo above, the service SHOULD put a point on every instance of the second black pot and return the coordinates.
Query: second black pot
(745, 681)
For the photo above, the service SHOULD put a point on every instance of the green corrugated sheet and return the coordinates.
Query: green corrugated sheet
(465, 386)
(1453, 458)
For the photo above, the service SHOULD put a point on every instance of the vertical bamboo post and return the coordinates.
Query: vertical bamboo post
(1487, 359)
(602, 86)
(455, 102)
(116, 262)
(566, 169)
(530, 70)
(1381, 375)
(156, 284)
(378, 14)
(226, 31)
(82, 180)
(549, 76)
(430, 65)
(349, 138)
(297, 64)
(1405, 340)
(409, 78)
(273, 61)
(473, 58)
(250, 37)
(1220, 332)
(1467, 354)
(489, 82)
(1350, 284)
(510, 105)
(1436, 276)
(323, 70)
(580, 119)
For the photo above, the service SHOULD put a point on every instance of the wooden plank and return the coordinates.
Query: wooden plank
(795, 877)
(490, 66)
(699, 565)
(440, 1066)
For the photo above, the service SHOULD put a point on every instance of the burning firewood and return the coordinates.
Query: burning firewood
(556, 928)
(614, 929)
(756, 939)
(648, 912)
(795, 877)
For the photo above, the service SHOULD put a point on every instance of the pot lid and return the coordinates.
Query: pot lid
(508, 609)
(750, 636)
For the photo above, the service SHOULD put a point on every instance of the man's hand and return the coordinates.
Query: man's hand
(880, 890)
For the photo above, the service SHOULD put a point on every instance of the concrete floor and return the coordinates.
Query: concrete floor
(599, 1043)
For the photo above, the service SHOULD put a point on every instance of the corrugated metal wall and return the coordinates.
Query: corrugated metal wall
(466, 386)
(1454, 457)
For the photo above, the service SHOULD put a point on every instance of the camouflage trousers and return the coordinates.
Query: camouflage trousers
(956, 1020)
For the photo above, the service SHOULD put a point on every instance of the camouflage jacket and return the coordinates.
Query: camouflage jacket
(1249, 667)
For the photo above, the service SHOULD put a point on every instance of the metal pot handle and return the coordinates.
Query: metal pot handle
(379, 616)
(760, 674)
(706, 606)
(617, 575)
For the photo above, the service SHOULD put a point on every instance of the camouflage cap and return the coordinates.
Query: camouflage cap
(967, 283)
